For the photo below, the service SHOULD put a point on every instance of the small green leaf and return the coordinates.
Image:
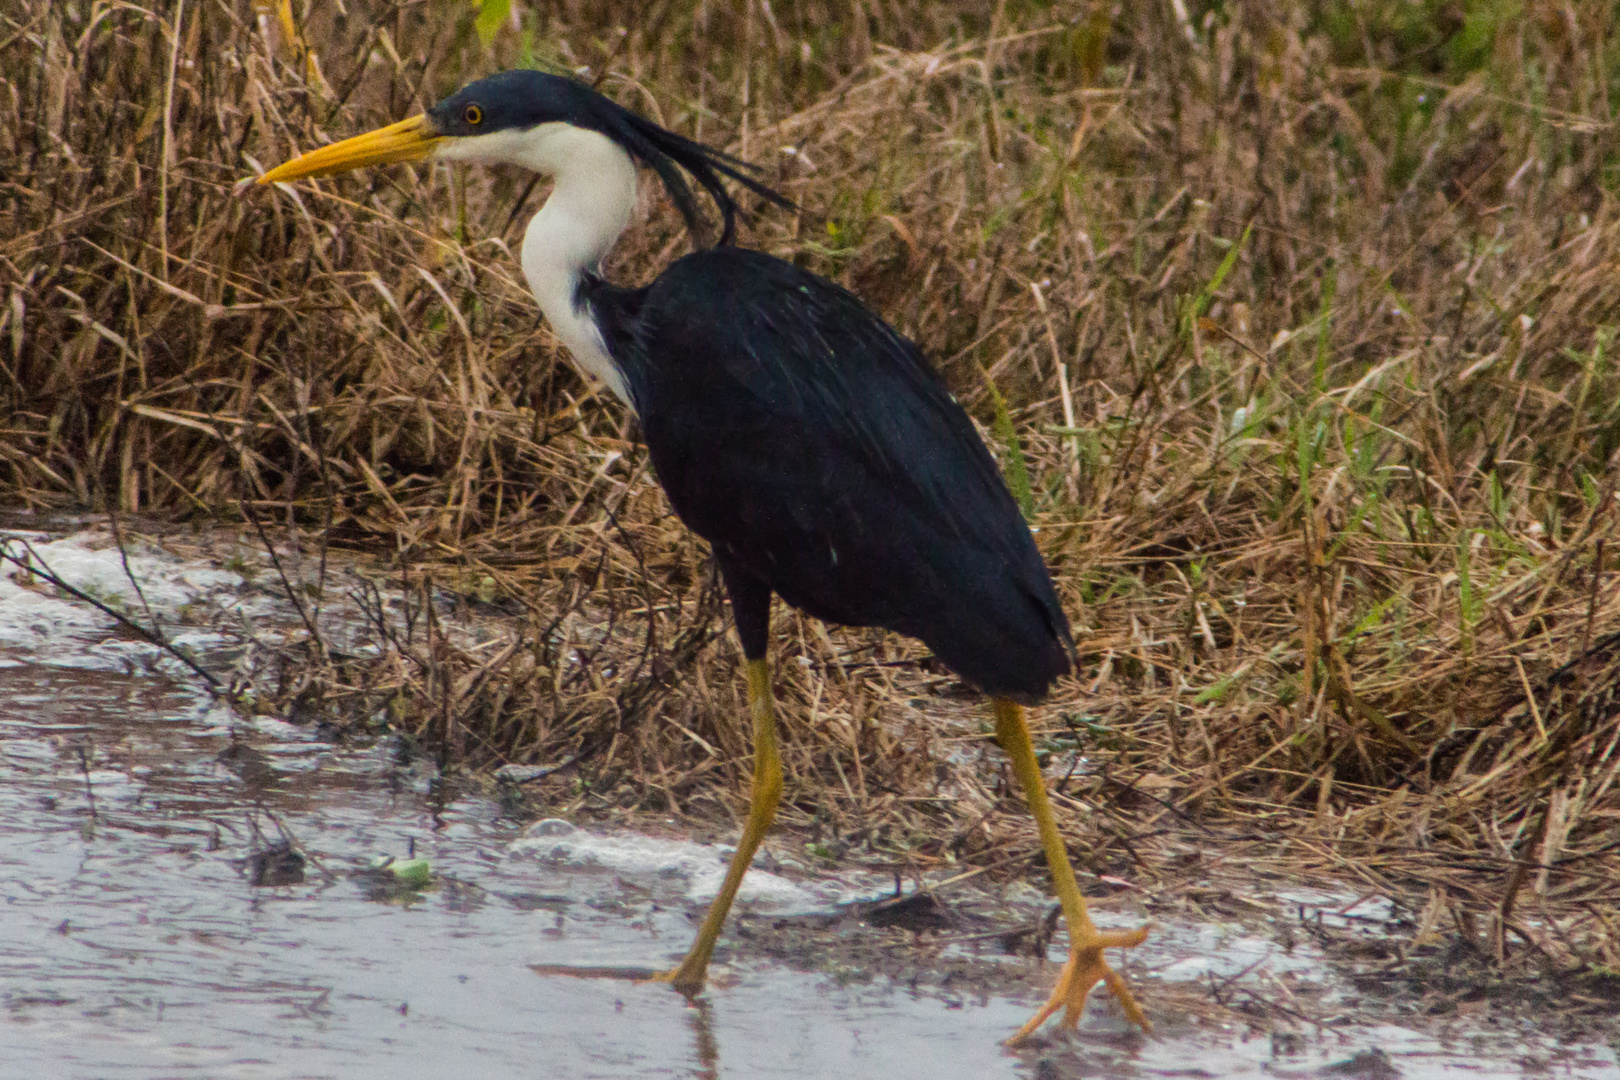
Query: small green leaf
(412, 873)
(1017, 471)
(491, 14)
(1589, 489)
(1206, 295)
(1216, 691)
(1468, 602)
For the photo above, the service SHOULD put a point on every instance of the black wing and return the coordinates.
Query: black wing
(818, 452)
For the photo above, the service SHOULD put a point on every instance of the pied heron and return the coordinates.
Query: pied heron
(808, 441)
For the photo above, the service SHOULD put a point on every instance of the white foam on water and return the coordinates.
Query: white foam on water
(37, 617)
(700, 867)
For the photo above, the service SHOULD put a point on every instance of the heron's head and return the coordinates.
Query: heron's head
(523, 118)
(494, 120)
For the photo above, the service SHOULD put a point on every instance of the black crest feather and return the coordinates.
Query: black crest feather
(524, 99)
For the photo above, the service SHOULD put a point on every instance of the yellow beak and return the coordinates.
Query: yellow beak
(408, 140)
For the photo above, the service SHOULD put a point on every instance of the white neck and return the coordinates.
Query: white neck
(589, 207)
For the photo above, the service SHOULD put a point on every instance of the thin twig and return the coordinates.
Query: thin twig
(31, 563)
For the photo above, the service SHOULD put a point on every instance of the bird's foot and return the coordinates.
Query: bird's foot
(689, 978)
(1084, 969)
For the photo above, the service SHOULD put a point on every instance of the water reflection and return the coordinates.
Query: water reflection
(699, 1014)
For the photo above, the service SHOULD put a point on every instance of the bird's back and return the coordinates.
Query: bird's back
(814, 447)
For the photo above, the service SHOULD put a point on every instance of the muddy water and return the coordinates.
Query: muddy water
(134, 943)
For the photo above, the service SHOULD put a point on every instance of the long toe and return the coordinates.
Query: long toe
(1127, 1001)
(1084, 969)
(1092, 968)
(575, 971)
(687, 981)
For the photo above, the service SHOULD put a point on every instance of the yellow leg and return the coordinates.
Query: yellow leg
(689, 977)
(1085, 967)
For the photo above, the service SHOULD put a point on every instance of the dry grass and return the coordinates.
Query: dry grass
(1298, 318)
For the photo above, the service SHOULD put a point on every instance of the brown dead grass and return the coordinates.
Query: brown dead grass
(1298, 316)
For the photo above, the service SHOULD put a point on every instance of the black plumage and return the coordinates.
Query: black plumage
(816, 450)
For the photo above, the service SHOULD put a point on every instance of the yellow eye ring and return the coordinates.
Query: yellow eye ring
(473, 114)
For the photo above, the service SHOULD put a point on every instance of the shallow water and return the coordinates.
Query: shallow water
(132, 942)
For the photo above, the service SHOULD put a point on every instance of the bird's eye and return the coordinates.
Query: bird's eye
(473, 114)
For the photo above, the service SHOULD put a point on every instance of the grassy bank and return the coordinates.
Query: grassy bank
(1292, 323)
